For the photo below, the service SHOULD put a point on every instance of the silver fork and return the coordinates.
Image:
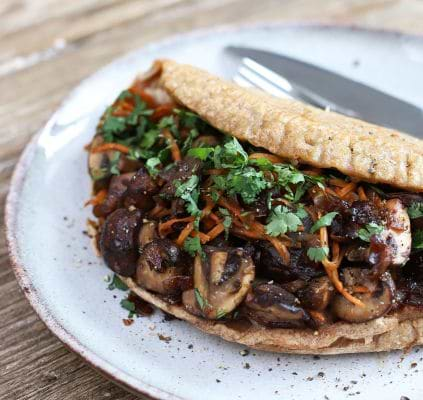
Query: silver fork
(252, 74)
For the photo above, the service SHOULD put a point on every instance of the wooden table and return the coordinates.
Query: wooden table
(46, 48)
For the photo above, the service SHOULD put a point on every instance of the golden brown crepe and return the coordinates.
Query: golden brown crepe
(323, 139)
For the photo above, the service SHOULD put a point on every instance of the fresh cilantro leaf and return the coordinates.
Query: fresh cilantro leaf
(149, 138)
(282, 220)
(151, 165)
(111, 126)
(369, 230)
(214, 195)
(188, 141)
(188, 119)
(117, 283)
(227, 221)
(326, 220)
(301, 213)
(128, 305)
(418, 239)
(124, 95)
(202, 302)
(201, 153)
(138, 153)
(287, 174)
(192, 245)
(231, 155)
(169, 122)
(317, 254)
(262, 163)
(114, 163)
(189, 192)
(246, 182)
(415, 210)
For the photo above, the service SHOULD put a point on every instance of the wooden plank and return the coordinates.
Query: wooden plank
(46, 48)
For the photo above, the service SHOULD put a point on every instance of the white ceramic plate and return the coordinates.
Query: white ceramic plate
(64, 280)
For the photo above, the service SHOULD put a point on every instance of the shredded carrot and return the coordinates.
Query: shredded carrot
(174, 148)
(207, 209)
(280, 248)
(147, 98)
(203, 237)
(162, 110)
(331, 267)
(216, 231)
(338, 182)
(245, 232)
(166, 227)
(185, 233)
(347, 189)
(330, 191)
(317, 316)
(215, 171)
(360, 289)
(97, 199)
(214, 217)
(230, 206)
(157, 211)
(362, 194)
(110, 146)
(271, 157)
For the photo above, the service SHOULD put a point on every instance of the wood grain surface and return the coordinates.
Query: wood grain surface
(46, 48)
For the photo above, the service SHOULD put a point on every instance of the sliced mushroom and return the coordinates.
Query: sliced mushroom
(180, 171)
(221, 280)
(148, 233)
(271, 305)
(377, 296)
(119, 241)
(162, 269)
(115, 195)
(141, 188)
(398, 235)
(317, 294)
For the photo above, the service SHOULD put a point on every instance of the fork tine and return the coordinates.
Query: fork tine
(267, 74)
(239, 80)
(261, 83)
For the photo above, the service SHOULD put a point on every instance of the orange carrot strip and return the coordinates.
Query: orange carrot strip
(271, 157)
(230, 206)
(360, 289)
(362, 194)
(166, 227)
(162, 110)
(330, 191)
(347, 189)
(214, 217)
(203, 237)
(185, 233)
(216, 231)
(147, 98)
(97, 199)
(280, 248)
(110, 146)
(338, 182)
(245, 233)
(174, 148)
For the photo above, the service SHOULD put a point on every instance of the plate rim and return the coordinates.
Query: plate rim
(12, 206)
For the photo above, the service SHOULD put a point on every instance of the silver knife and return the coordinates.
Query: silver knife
(343, 94)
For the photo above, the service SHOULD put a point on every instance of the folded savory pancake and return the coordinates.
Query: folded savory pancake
(264, 221)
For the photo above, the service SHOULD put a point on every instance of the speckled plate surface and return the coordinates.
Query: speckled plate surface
(63, 279)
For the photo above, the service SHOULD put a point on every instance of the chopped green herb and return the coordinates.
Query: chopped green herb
(200, 300)
(220, 313)
(189, 192)
(149, 138)
(227, 221)
(128, 305)
(301, 213)
(117, 283)
(317, 254)
(231, 155)
(188, 141)
(415, 210)
(418, 239)
(282, 220)
(114, 163)
(326, 220)
(369, 230)
(151, 165)
(202, 153)
(192, 245)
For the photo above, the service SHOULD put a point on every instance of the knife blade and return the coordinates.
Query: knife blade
(341, 92)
